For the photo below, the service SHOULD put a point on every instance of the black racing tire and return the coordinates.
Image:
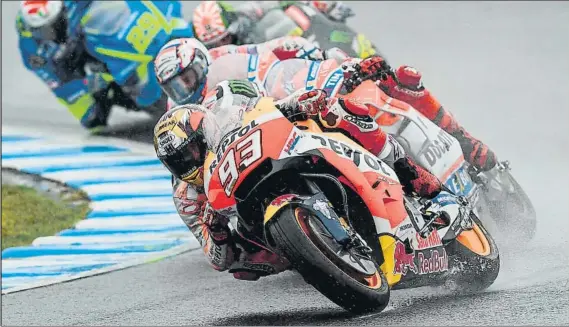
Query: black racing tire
(319, 270)
(478, 271)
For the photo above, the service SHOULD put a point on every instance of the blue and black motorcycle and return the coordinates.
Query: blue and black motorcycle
(122, 38)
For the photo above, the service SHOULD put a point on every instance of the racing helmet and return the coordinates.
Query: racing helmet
(215, 24)
(180, 143)
(181, 68)
(46, 19)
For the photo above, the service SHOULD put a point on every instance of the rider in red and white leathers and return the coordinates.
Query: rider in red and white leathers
(209, 227)
(404, 84)
(227, 62)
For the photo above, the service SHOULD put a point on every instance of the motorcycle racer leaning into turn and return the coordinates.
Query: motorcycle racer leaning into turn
(231, 62)
(180, 144)
(218, 23)
(55, 43)
(181, 64)
(51, 47)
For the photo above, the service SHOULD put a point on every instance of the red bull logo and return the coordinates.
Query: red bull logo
(433, 261)
(436, 262)
(403, 260)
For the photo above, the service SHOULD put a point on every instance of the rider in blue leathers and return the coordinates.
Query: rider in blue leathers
(54, 44)
(51, 47)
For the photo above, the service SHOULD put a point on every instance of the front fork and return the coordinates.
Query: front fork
(426, 221)
(338, 226)
(348, 237)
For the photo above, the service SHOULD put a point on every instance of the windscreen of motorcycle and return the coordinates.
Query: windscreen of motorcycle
(286, 77)
(219, 122)
(273, 25)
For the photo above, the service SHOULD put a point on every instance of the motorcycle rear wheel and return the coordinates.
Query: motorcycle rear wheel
(296, 238)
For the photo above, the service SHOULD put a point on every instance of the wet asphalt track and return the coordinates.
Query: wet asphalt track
(502, 68)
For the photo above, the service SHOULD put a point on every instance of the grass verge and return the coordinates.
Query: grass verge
(28, 214)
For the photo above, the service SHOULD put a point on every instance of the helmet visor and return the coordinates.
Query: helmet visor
(224, 38)
(182, 87)
(219, 41)
(185, 161)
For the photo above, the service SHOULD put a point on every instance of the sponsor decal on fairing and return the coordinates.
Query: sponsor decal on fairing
(420, 263)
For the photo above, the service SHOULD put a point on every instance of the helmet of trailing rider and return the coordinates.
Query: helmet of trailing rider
(211, 23)
(181, 68)
(46, 19)
(179, 141)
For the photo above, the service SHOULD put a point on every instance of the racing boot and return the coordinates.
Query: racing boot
(438, 204)
(95, 119)
(252, 266)
(405, 85)
(417, 180)
(254, 261)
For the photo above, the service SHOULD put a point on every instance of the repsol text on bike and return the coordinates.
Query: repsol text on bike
(356, 156)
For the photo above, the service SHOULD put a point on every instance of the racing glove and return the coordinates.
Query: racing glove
(358, 70)
(216, 224)
(245, 259)
(297, 47)
(221, 253)
(302, 104)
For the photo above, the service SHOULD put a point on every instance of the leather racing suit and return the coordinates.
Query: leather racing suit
(60, 65)
(404, 84)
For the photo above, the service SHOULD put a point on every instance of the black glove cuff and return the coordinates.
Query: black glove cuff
(291, 112)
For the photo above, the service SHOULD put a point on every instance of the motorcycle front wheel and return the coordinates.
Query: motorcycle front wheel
(304, 241)
(476, 255)
(514, 213)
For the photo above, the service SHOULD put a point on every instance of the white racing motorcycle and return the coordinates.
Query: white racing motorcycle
(498, 196)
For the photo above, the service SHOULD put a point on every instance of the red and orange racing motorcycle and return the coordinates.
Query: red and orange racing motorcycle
(338, 213)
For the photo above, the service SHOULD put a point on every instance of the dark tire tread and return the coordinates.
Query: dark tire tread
(481, 271)
(319, 271)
